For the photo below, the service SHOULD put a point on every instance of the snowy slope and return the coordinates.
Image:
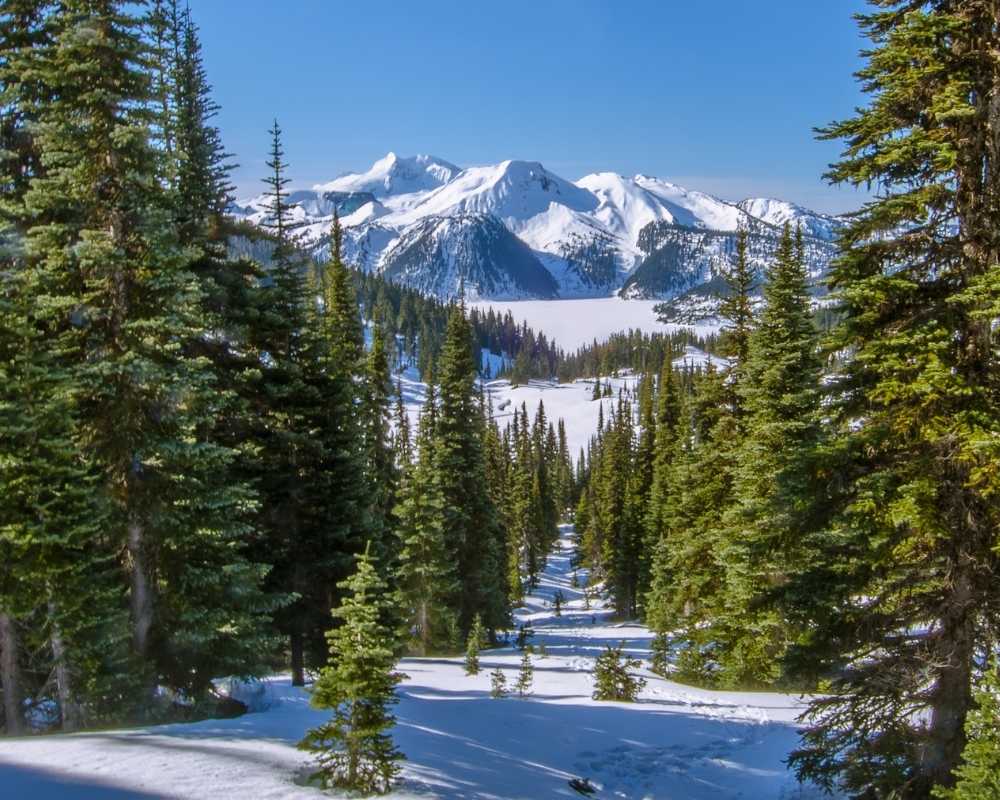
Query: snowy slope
(676, 742)
(592, 236)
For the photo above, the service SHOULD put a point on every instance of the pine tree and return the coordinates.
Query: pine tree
(525, 675)
(426, 574)
(498, 684)
(901, 583)
(119, 298)
(778, 390)
(612, 679)
(473, 645)
(353, 749)
(472, 527)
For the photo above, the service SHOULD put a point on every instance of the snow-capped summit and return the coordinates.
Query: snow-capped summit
(514, 191)
(392, 176)
(778, 212)
(429, 224)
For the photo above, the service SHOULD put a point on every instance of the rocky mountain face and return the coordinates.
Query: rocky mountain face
(515, 230)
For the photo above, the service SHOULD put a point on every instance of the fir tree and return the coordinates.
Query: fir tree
(353, 749)
(525, 675)
(612, 679)
(119, 298)
(498, 684)
(473, 645)
(472, 526)
(426, 574)
(660, 649)
(901, 582)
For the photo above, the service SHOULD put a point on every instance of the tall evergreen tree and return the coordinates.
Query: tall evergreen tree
(426, 577)
(779, 394)
(115, 296)
(902, 584)
(472, 529)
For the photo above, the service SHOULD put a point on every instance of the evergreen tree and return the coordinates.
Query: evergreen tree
(612, 679)
(901, 582)
(426, 574)
(115, 295)
(380, 466)
(474, 643)
(472, 529)
(978, 778)
(779, 395)
(525, 675)
(498, 684)
(353, 749)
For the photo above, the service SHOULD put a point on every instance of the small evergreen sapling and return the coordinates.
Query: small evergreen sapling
(613, 681)
(661, 651)
(498, 684)
(525, 676)
(557, 601)
(474, 644)
(352, 749)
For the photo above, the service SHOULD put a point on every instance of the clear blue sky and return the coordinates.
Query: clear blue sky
(718, 95)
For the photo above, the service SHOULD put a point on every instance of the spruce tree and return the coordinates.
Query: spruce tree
(779, 395)
(474, 643)
(498, 684)
(525, 675)
(425, 577)
(353, 749)
(612, 679)
(472, 527)
(115, 297)
(902, 578)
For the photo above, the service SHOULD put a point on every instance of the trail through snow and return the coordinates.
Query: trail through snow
(676, 743)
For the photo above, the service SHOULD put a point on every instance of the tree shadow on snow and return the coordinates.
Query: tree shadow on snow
(38, 784)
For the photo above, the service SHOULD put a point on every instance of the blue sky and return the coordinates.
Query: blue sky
(718, 95)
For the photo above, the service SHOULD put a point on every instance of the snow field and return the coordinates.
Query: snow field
(677, 742)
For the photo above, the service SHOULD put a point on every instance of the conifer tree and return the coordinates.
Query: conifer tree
(380, 466)
(978, 778)
(472, 527)
(902, 580)
(498, 684)
(525, 675)
(612, 679)
(353, 749)
(779, 394)
(119, 298)
(426, 576)
(473, 645)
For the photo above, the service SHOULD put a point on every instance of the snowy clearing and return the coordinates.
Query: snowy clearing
(678, 742)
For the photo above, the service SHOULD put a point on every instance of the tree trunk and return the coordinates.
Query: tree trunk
(952, 697)
(68, 705)
(10, 675)
(141, 597)
(298, 662)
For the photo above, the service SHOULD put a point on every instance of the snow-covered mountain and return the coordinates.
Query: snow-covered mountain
(516, 230)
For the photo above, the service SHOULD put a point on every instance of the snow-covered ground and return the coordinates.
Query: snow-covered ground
(677, 742)
(574, 323)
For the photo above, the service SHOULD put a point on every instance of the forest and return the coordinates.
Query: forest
(207, 469)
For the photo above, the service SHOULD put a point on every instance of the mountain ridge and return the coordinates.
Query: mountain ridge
(436, 227)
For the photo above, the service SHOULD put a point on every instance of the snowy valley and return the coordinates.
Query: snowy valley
(676, 742)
